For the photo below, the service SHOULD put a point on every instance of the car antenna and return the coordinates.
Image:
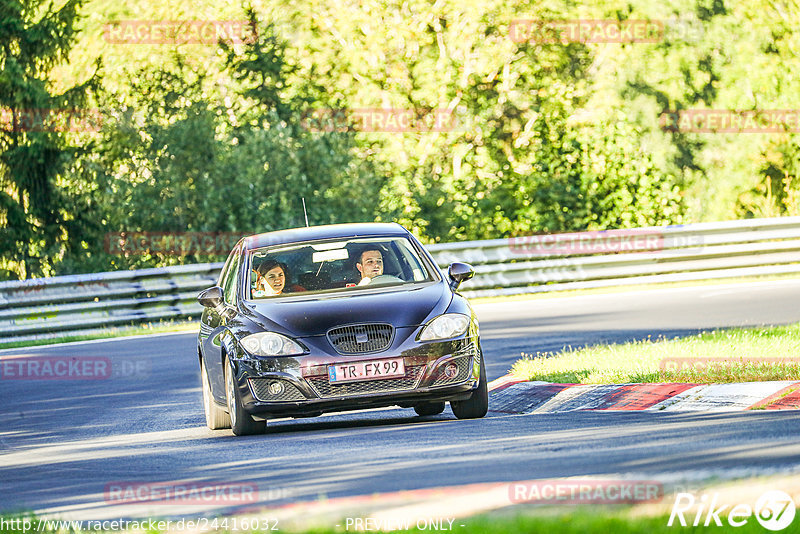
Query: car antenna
(304, 210)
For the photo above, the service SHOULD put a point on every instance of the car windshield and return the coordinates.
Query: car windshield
(334, 266)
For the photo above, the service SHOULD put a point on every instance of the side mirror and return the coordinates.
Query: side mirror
(211, 297)
(459, 272)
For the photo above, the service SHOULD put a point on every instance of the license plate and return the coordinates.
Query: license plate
(376, 369)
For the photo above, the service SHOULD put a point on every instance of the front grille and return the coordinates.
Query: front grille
(261, 391)
(361, 338)
(464, 372)
(327, 390)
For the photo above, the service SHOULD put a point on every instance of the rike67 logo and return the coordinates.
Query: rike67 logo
(774, 510)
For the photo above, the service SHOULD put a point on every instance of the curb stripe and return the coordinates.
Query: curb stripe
(696, 389)
(788, 402)
(642, 396)
(505, 381)
(524, 397)
(513, 395)
(579, 397)
(721, 397)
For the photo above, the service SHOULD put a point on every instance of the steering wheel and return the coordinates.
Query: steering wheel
(386, 279)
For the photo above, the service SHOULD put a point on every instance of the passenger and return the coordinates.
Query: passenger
(271, 280)
(369, 265)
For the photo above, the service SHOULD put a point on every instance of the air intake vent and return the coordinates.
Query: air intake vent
(361, 338)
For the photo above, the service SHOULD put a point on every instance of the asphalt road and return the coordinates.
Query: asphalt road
(65, 445)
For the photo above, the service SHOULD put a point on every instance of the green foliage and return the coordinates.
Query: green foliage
(546, 137)
(515, 163)
(37, 223)
(188, 165)
(779, 192)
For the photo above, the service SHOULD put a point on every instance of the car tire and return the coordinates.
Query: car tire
(429, 408)
(216, 416)
(478, 404)
(241, 422)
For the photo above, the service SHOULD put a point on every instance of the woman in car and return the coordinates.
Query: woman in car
(271, 279)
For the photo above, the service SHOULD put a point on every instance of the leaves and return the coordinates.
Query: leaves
(544, 137)
(34, 149)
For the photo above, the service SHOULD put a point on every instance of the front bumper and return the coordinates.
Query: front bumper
(306, 391)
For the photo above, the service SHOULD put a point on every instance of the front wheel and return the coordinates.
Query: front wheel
(216, 417)
(241, 422)
(478, 404)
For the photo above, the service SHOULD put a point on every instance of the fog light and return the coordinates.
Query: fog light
(451, 370)
(275, 388)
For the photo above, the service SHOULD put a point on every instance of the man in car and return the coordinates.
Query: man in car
(370, 264)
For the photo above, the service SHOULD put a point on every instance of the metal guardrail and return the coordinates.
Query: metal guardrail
(72, 304)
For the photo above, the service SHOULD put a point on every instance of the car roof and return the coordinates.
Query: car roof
(330, 231)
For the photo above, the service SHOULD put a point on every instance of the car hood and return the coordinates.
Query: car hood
(316, 314)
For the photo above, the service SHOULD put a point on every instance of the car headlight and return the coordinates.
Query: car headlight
(271, 344)
(445, 327)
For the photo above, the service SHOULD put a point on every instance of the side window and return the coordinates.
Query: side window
(410, 263)
(231, 277)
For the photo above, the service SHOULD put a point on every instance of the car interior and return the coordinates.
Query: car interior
(314, 270)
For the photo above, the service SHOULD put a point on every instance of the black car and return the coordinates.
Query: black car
(333, 318)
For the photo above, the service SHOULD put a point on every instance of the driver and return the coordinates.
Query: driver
(370, 265)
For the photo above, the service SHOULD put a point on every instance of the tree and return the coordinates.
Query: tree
(515, 161)
(36, 121)
(184, 152)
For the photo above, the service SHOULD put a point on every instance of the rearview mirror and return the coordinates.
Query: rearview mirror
(211, 297)
(459, 272)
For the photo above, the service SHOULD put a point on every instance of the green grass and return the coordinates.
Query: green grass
(591, 520)
(746, 354)
(580, 520)
(120, 331)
